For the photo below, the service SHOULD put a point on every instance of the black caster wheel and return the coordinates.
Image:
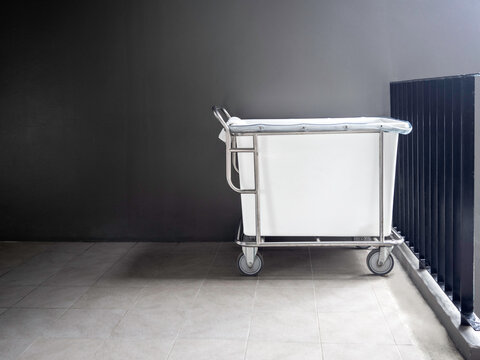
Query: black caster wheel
(372, 263)
(245, 269)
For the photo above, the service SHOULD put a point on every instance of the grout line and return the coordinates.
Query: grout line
(251, 319)
(91, 285)
(36, 286)
(316, 308)
(180, 328)
(384, 316)
(64, 265)
(398, 352)
(111, 266)
(24, 261)
(140, 289)
(28, 347)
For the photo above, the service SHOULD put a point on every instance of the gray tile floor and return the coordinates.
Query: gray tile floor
(187, 301)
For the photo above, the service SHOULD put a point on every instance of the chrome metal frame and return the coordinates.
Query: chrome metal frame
(384, 243)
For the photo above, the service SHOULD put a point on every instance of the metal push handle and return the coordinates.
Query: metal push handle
(221, 114)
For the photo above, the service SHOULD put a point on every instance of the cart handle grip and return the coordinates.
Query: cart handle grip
(217, 111)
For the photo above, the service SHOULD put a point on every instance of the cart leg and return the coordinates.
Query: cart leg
(250, 253)
(385, 251)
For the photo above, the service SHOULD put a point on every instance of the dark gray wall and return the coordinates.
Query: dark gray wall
(106, 130)
(431, 38)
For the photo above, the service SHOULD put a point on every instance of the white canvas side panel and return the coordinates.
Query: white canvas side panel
(318, 184)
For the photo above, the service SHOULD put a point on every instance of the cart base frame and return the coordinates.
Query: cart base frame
(385, 247)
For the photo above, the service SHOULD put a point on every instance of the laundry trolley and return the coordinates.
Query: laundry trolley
(323, 182)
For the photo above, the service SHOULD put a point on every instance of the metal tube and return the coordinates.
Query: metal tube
(235, 156)
(380, 187)
(229, 151)
(242, 150)
(347, 131)
(467, 180)
(258, 236)
(394, 239)
(228, 170)
(320, 243)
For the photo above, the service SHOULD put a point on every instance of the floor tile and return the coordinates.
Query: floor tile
(386, 298)
(184, 267)
(110, 247)
(5, 269)
(217, 324)
(283, 281)
(142, 296)
(13, 254)
(97, 260)
(391, 310)
(130, 349)
(52, 297)
(12, 348)
(280, 262)
(227, 270)
(168, 297)
(206, 249)
(208, 349)
(193, 283)
(10, 295)
(211, 298)
(401, 333)
(351, 328)
(61, 349)
(8, 263)
(340, 275)
(267, 350)
(338, 258)
(159, 248)
(138, 272)
(150, 251)
(339, 281)
(150, 323)
(284, 326)
(27, 275)
(444, 352)
(355, 299)
(237, 281)
(224, 266)
(76, 276)
(126, 275)
(412, 352)
(326, 262)
(107, 298)
(27, 323)
(72, 247)
(86, 323)
(284, 299)
(360, 351)
(51, 259)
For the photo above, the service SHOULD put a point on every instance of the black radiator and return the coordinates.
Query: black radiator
(434, 189)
